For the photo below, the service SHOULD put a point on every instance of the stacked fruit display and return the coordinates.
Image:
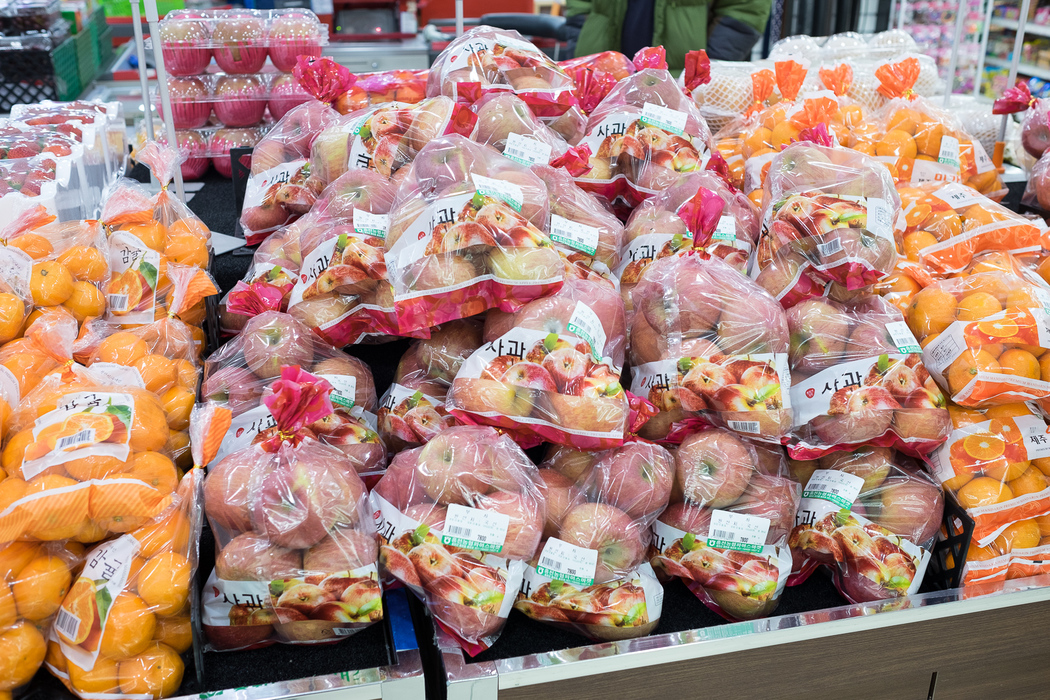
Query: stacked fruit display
(213, 112)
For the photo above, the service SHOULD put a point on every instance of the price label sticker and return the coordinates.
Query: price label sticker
(567, 562)
(826, 250)
(949, 154)
(16, 268)
(344, 389)
(745, 426)
(527, 150)
(502, 190)
(744, 533)
(664, 118)
(575, 235)
(368, 224)
(117, 375)
(957, 195)
(473, 528)
(981, 159)
(726, 229)
(902, 336)
(834, 486)
(586, 324)
(880, 217)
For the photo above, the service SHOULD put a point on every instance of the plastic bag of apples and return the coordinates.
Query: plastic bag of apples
(725, 533)
(984, 337)
(505, 122)
(267, 283)
(551, 370)
(699, 211)
(948, 224)
(295, 545)
(709, 343)
(832, 215)
(242, 373)
(870, 515)
(484, 60)
(412, 410)
(468, 232)
(1037, 191)
(125, 620)
(591, 573)
(995, 463)
(458, 520)
(642, 137)
(857, 377)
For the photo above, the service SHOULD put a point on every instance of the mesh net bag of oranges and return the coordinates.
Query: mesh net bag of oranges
(984, 337)
(125, 620)
(923, 143)
(996, 464)
(294, 536)
(34, 579)
(950, 223)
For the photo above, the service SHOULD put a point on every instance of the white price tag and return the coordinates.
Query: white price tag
(958, 196)
(567, 562)
(834, 486)
(16, 268)
(949, 154)
(117, 375)
(502, 190)
(1036, 436)
(880, 218)
(744, 533)
(586, 324)
(527, 150)
(981, 159)
(473, 528)
(726, 229)
(344, 388)
(664, 118)
(830, 248)
(368, 224)
(902, 336)
(573, 234)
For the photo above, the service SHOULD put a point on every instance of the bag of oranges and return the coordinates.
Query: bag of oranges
(984, 337)
(925, 144)
(950, 223)
(296, 545)
(996, 464)
(125, 621)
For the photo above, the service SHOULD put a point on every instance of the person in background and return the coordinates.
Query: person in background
(728, 29)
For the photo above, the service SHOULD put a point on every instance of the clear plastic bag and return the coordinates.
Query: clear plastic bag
(725, 533)
(458, 520)
(708, 342)
(294, 536)
(870, 516)
(1037, 191)
(592, 575)
(551, 370)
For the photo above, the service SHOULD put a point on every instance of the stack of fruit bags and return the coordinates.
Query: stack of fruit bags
(295, 544)
(459, 519)
(61, 161)
(241, 374)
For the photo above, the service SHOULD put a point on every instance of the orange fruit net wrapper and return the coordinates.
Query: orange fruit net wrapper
(984, 337)
(125, 621)
(948, 224)
(995, 464)
(296, 544)
(923, 143)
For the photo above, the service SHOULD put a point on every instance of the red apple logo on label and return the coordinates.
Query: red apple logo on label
(810, 392)
(240, 431)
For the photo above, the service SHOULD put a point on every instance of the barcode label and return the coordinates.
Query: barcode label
(118, 302)
(830, 248)
(567, 562)
(368, 224)
(474, 528)
(527, 150)
(949, 154)
(726, 229)
(744, 533)
(76, 440)
(834, 486)
(67, 624)
(586, 325)
(575, 235)
(344, 631)
(902, 336)
(502, 190)
(880, 218)
(664, 118)
(745, 426)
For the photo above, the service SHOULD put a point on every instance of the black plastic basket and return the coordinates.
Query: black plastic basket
(34, 74)
(959, 528)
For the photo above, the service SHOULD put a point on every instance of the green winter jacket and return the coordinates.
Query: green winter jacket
(678, 25)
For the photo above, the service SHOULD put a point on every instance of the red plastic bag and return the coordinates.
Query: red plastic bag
(591, 574)
(458, 520)
(296, 549)
(726, 533)
(551, 370)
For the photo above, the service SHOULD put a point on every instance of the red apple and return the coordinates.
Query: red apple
(527, 513)
(561, 495)
(298, 503)
(619, 539)
(227, 492)
(344, 549)
(636, 478)
(249, 557)
(714, 467)
(273, 339)
(456, 466)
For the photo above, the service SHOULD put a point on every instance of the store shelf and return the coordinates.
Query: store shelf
(1029, 27)
(856, 651)
(1022, 69)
